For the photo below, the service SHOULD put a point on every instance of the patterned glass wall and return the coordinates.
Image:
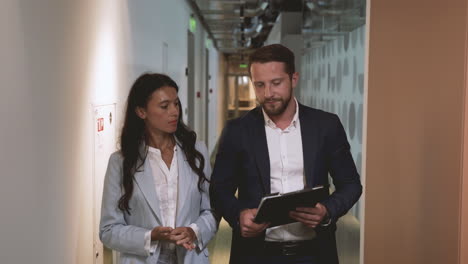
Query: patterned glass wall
(333, 80)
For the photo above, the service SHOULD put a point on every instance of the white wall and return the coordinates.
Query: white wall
(58, 58)
(17, 145)
(332, 80)
(214, 97)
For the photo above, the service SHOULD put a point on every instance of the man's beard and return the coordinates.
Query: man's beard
(275, 111)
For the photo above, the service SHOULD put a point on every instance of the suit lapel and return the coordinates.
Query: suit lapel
(145, 182)
(184, 182)
(261, 150)
(310, 142)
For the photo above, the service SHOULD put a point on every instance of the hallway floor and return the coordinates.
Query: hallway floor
(347, 236)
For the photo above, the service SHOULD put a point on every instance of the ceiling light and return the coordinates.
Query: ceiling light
(310, 5)
(259, 27)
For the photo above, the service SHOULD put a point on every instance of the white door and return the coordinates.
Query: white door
(190, 73)
(104, 146)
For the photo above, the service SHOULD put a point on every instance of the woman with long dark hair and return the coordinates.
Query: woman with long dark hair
(155, 206)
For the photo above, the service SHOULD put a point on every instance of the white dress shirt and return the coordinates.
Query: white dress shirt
(166, 183)
(286, 172)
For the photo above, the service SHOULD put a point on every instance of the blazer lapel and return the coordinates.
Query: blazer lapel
(145, 182)
(184, 182)
(261, 150)
(309, 145)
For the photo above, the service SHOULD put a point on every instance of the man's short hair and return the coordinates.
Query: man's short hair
(274, 52)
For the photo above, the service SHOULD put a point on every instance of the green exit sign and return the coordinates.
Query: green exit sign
(243, 65)
(192, 25)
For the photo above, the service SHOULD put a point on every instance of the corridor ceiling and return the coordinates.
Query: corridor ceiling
(240, 26)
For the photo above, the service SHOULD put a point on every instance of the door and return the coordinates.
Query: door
(207, 97)
(190, 72)
(104, 146)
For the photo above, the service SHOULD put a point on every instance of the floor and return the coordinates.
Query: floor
(347, 238)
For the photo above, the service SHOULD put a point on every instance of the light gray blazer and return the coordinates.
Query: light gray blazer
(125, 232)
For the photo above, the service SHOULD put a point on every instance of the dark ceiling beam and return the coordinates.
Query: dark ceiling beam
(220, 16)
(227, 2)
(218, 12)
(221, 21)
(227, 35)
(222, 31)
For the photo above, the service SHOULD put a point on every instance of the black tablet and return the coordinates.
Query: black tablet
(274, 208)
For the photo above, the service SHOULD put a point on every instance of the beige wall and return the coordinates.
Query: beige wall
(464, 194)
(414, 131)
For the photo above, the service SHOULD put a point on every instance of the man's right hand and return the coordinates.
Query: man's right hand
(247, 226)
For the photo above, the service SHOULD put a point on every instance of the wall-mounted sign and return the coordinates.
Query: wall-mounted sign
(100, 124)
(192, 24)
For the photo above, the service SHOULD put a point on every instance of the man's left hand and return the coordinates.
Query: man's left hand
(309, 216)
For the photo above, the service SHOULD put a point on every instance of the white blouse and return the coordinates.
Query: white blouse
(166, 181)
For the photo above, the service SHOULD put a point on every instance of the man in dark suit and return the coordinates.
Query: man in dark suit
(282, 146)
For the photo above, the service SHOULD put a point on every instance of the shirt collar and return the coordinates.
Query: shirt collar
(158, 151)
(295, 120)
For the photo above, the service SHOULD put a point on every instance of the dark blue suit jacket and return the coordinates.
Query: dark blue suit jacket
(242, 163)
